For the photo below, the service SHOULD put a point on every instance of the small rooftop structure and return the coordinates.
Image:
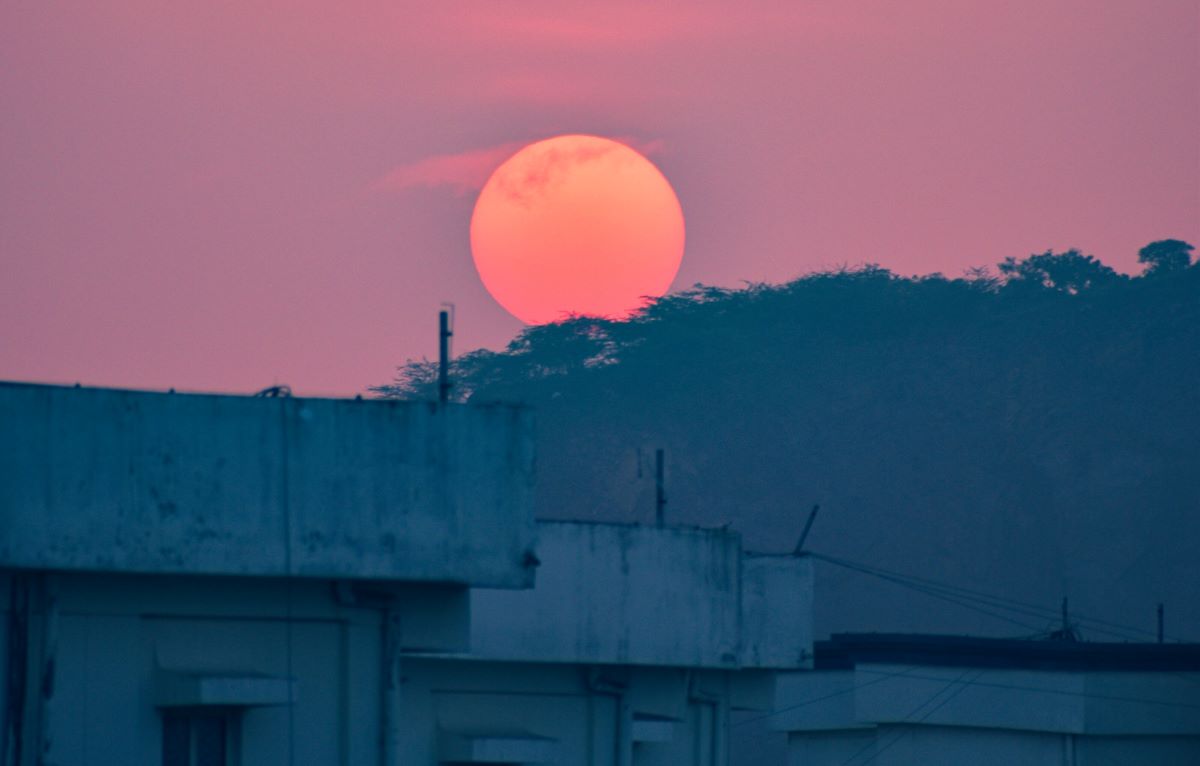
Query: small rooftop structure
(635, 645)
(638, 595)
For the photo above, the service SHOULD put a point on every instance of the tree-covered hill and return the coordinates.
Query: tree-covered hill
(1033, 434)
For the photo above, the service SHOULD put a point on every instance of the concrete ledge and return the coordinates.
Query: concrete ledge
(193, 690)
(497, 747)
(652, 729)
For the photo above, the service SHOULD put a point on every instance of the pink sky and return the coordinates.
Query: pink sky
(229, 195)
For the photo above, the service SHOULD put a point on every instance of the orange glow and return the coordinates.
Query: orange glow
(576, 225)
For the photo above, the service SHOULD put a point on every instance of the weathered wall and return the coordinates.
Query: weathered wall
(94, 479)
(777, 612)
(621, 594)
(125, 649)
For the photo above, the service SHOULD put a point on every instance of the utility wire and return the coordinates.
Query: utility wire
(964, 602)
(908, 719)
(882, 677)
(945, 590)
(909, 672)
(932, 587)
(900, 734)
(986, 684)
(1065, 693)
(1000, 601)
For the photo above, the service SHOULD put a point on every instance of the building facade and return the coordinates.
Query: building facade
(632, 649)
(904, 700)
(209, 580)
(195, 580)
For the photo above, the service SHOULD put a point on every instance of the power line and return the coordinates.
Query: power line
(900, 734)
(964, 602)
(932, 587)
(1063, 692)
(945, 590)
(909, 672)
(907, 719)
(814, 700)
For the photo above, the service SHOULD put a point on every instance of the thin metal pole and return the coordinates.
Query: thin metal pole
(660, 495)
(444, 334)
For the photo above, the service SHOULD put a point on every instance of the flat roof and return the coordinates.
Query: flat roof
(845, 650)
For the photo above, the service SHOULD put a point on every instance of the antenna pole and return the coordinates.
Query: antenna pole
(812, 516)
(660, 495)
(444, 334)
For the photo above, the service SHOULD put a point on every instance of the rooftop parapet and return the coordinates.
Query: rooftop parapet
(636, 595)
(125, 481)
(1114, 690)
(612, 593)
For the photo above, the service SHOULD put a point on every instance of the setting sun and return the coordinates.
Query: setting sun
(576, 225)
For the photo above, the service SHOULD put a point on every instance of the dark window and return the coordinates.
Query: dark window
(195, 738)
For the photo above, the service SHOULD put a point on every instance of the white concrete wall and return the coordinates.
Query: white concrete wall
(119, 648)
(126, 645)
(777, 612)
(891, 714)
(946, 746)
(1094, 702)
(930, 745)
(1122, 751)
(816, 700)
(623, 594)
(641, 595)
(106, 480)
(677, 623)
(575, 715)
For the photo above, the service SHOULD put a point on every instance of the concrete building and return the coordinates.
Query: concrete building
(897, 699)
(208, 580)
(632, 649)
(194, 580)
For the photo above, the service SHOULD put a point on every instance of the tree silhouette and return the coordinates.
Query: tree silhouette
(1166, 256)
(1071, 272)
(742, 337)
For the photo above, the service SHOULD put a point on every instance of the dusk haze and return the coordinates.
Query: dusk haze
(229, 196)
(600, 383)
